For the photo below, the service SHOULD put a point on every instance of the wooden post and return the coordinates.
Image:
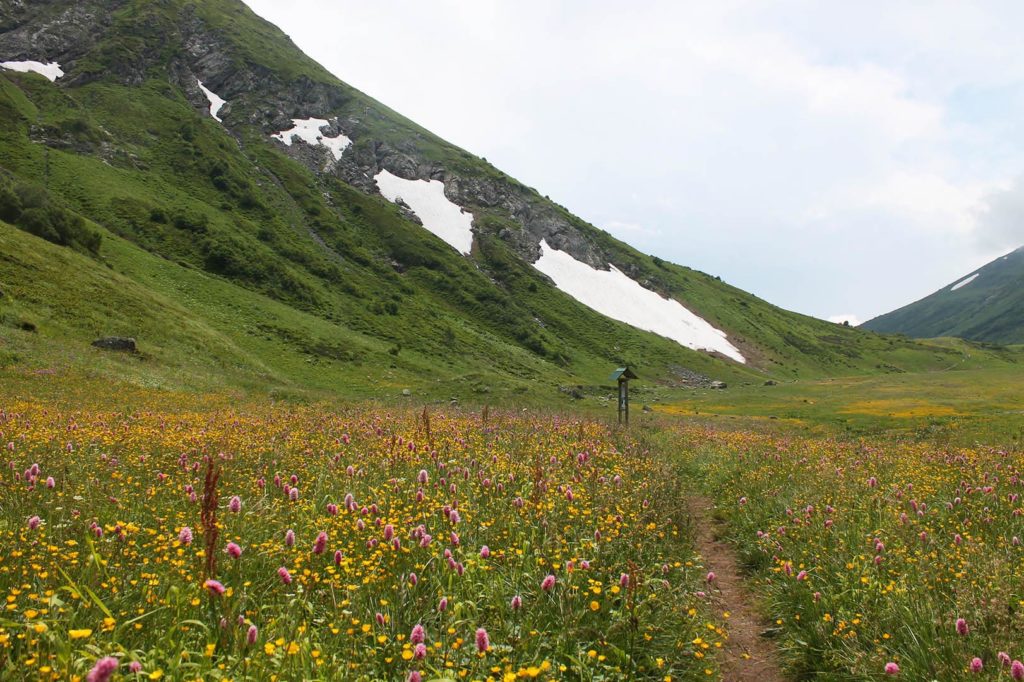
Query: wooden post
(623, 400)
(623, 375)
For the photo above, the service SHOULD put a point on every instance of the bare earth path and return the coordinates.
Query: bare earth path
(747, 657)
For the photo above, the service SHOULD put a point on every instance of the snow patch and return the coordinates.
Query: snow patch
(615, 295)
(51, 70)
(308, 130)
(964, 282)
(216, 101)
(427, 200)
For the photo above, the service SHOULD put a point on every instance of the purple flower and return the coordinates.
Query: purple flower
(418, 634)
(892, 669)
(976, 665)
(548, 583)
(185, 536)
(233, 550)
(321, 543)
(235, 505)
(289, 538)
(103, 670)
(215, 587)
(961, 627)
(34, 522)
(483, 642)
(252, 635)
(285, 576)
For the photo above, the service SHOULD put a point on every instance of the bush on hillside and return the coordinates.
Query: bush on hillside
(30, 208)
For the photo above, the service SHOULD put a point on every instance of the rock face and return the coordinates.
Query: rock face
(116, 343)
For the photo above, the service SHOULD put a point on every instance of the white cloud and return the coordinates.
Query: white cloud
(840, 319)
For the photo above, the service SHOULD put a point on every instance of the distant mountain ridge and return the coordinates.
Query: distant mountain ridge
(985, 305)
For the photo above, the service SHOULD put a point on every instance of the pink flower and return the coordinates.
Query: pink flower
(711, 576)
(802, 575)
(418, 634)
(414, 676)
(413, 579)
(285, 576)
(485, 552)
(624, 580)
(419, 652)
(185, 536)
(289, 538)
(548, 583)
(50, 483)
(1017, 670)
(135, 667)
(235, 505)
(1004, 659)
(483, 642)
(215, 587)
(233, 550)
(103, 670)
(961, 627)
(517, 603)
(424, 477)
(293, 494)
(443, 604)
(976, 665)
(892, 669)
(252, 635)
(338, 557)
(389, 532)
(34, 522)
(321, 543)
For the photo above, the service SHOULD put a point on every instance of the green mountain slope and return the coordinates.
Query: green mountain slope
(128, 209)
(986, 305)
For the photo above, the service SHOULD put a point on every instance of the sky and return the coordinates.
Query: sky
(838, 159)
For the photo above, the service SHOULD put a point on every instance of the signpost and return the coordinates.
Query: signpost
(623, 375)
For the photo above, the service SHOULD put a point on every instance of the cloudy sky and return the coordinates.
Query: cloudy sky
(835, 158)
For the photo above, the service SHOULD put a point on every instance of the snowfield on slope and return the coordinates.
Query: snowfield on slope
(51, 70)
(216, 101)
(426, 198)
(964, 282)
(615, 295)
(308, 130)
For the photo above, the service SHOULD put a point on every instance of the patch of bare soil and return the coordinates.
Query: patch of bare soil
(747, 655)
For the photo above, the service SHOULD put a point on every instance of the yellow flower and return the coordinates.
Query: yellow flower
(79, 634)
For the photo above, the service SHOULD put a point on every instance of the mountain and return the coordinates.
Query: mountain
(985, 305)
(181, 173)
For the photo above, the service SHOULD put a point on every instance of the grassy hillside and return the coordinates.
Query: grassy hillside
(232, 259)
(988, 308)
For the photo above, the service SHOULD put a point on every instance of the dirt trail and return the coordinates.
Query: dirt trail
(747, 656)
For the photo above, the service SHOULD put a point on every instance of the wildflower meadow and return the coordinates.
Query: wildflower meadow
(875, 558)
(282, 542)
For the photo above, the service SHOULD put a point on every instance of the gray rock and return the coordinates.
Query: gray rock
(122, 344)
(406, 392)
(771, 382)
(718, 385)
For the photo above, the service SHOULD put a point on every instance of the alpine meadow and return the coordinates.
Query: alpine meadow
(291, 388)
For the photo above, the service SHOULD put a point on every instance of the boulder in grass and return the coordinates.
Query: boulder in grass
(718, 384)
(122, 344)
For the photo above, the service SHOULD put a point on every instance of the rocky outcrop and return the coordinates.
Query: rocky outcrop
(116, 343)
